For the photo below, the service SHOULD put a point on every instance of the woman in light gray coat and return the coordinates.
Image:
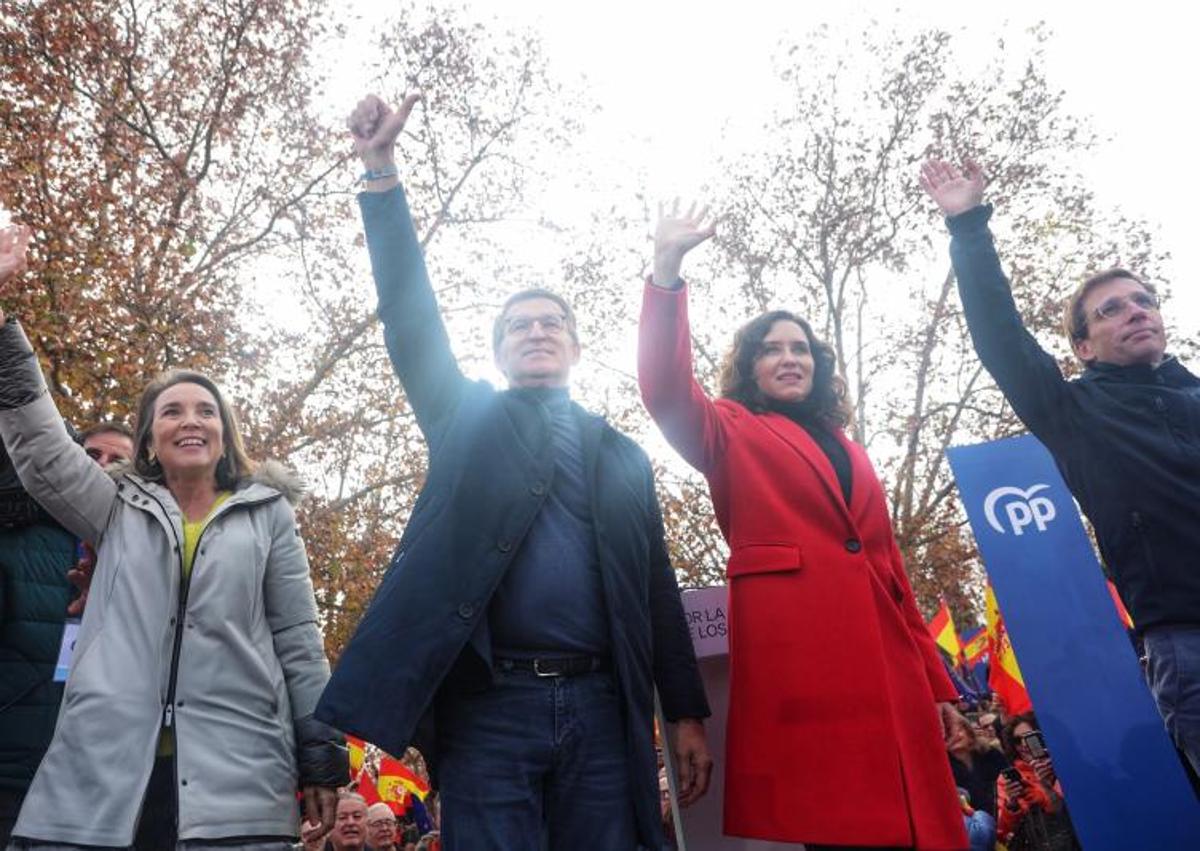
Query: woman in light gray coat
(186, 720)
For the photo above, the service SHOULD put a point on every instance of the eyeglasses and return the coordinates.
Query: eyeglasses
(1115, 306)
(382, 822)
(552, 323)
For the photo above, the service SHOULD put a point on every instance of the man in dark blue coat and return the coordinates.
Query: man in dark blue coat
(1125, 435)
(531, 608)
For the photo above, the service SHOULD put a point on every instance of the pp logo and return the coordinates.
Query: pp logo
(1021, 510)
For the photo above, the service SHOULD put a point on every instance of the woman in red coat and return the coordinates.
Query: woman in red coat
(834, 736)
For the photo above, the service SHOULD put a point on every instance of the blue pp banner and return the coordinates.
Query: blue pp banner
(1122, 779)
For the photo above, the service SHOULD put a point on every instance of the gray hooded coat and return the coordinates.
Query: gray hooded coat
(247, 662)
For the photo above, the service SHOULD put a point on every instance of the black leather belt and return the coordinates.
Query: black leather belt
(555, 666)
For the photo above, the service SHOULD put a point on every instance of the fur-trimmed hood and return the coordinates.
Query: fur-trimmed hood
(281, 477)
(270, 473)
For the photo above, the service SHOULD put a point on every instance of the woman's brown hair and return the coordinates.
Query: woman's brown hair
(827, 401)
(234, 464)
(1008, 733)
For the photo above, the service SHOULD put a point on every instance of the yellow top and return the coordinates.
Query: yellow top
(191, 538)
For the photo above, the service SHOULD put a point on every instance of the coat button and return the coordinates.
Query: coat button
(538, 489)
(504, 545)
(1159, 404)
(853, 545)
(183, 782)
(466, 611)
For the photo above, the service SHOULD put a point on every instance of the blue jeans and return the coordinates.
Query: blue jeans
(535, 763)
(1173, 670)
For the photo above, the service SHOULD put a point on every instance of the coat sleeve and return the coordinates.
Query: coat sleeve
(688, 418)
(291, 611)
(943, 688)
(413, 330)
(1027, 375)
(52, 467)
(676, 672)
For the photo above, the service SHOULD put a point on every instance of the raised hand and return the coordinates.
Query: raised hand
(1044, 770)
(675, 236)
(953, 191)
(14, 242)
(375, 127)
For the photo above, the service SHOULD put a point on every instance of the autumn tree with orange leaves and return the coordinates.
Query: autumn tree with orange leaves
(192, 206)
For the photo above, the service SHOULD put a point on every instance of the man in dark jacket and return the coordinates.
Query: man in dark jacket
(35, 555)
(531, 607)
(1125, 435)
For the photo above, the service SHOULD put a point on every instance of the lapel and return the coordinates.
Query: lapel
(799, 441)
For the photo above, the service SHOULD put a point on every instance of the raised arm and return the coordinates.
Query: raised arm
(1028, 376)
(412, 324)
(52, 467)
(676, 401)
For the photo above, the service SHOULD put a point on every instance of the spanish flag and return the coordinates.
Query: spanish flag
(1122, 612)
(943, 632)
(1004, 676)
(975, 644)
(357, 749)
(396, 780)
(366, 787)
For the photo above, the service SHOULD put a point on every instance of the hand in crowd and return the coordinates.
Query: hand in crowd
(1014, 791)
(320, 808)
(693, 764)
(674, 237)
(312, 835)
(14, 242)
(81, 577)
(951, 718)
(1044, 768)
(375, 127)
(953, 191)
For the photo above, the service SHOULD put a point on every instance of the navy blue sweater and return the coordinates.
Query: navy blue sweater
(1126, 438)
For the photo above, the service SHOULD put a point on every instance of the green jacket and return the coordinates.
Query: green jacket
(33, 605)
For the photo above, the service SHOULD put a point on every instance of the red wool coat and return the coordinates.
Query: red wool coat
(833, 733)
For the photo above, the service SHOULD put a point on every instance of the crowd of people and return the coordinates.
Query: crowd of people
(1006, 781)
(367, 827)
(533, 593)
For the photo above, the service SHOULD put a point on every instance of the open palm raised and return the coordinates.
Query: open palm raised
(677, 234)
(954, 191)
